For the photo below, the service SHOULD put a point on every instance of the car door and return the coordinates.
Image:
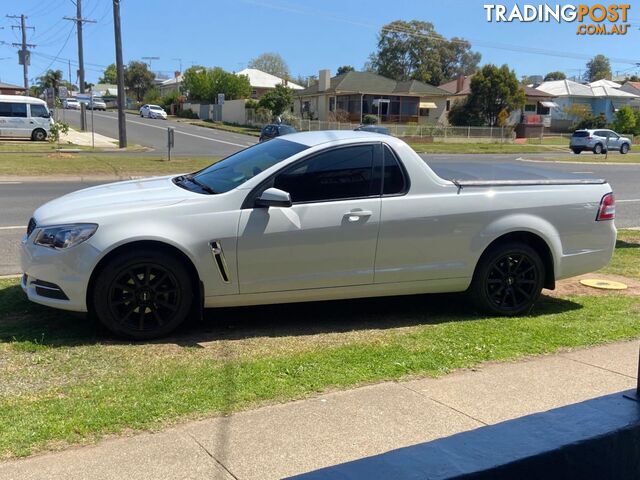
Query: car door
(327, 238)
(20, 122)
(38, 117)
(614, 141)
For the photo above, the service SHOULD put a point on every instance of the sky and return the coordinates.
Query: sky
(309, 35)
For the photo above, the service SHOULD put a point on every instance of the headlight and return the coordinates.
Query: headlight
(65, 236)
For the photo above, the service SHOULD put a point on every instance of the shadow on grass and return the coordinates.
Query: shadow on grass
(623, 244)
(23, 321)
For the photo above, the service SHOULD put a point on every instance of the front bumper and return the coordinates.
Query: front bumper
(58, 278)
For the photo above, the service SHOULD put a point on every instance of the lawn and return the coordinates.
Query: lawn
(227, 127)
(63, 381)
(588, 157)
(96, 164)
(483, 148)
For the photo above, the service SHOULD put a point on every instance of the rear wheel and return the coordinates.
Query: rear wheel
(597, 150)
(577, 151)
(143, 294)
(508, 279)
(624, 149)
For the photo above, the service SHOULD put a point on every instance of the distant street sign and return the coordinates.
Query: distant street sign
(63, 92)
(221, 99)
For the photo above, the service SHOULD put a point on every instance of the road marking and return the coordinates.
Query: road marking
(178, 131)
(10, 183)
(14, 227)
(581, 172)
(631, 200)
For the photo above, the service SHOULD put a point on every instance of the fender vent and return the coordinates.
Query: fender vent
(218, 257)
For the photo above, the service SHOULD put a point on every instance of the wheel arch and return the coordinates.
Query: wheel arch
(157, 245)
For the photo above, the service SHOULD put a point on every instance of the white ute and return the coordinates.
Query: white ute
(310, 216)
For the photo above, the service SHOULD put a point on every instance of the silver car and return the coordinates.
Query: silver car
(598, 141)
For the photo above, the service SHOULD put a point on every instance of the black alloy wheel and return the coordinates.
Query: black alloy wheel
(144, 295)
(508, 280)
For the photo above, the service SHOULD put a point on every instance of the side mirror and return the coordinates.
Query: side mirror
(273, 197)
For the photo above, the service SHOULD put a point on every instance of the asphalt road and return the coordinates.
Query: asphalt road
(189, 139)
(20, 199)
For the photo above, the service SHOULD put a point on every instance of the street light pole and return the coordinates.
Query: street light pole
(122, 124)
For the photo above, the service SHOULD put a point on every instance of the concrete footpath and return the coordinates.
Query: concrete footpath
(282, 440)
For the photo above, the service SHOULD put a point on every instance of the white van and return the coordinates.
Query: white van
(24, 117)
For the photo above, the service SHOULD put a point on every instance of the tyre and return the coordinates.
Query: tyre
(624, 149)
(597, 150)
(508, 279)
(143, 294)
(142, 114)
(38, 135)
(577, 151)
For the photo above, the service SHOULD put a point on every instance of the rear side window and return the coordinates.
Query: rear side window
(338, 174)
(601, 133)
(39, 111)
(580, 134)
(393, 181)
(13, 109)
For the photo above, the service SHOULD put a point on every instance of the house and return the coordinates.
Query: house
(9, 89)
(171, 84)
(356, 94)
(634, 88)
(261, 82)
(536, 110)
(598, 98)
(105, 90)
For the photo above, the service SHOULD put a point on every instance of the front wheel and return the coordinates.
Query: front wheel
(39, 135)
(508, 279)
(143, 295)
(597, 150)
(624, 149)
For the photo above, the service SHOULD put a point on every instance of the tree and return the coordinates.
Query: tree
(51, 79)
(110, 75)
(462, 114)
(494, 89)
(634, 78)
(138, 78)
(598, 68)
(344, 69)
(624, 120)
(271, 63)
(415, 51)
(204, 84)
(277, 100)
(557, 75)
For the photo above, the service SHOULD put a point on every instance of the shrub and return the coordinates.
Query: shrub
(56, 129)
(152, 95)
(251, 103)
(370, 119)
(338, 116)
(290, 119)
(187, 114)
(625, 120)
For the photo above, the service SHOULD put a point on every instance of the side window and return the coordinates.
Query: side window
(39, 111)
(334, 175)
(393, 181)
(19, 110)
(600, 133)
(5, 109)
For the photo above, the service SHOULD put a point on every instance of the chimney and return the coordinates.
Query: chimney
(460, 83)
(176, 74)
(324, 80)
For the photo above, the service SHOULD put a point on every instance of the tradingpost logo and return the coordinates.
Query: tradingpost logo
(598, 19)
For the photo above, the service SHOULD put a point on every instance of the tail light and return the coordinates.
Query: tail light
(607, 210)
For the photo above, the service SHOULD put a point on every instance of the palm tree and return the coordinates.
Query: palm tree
(51, 79)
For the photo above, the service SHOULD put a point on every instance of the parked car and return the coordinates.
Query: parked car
(24, 117)
(71, 104)
(96, 103)
(275, 130)
(310, 216)
(373, 128)
(153, 111)
(598, 141)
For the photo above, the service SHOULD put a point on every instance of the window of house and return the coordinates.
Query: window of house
(332, 104)
(334, 175)
(530, 107)
(448, 107)
(424, 112)
(254, 94)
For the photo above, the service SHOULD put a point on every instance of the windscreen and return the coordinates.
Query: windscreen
(233, 171)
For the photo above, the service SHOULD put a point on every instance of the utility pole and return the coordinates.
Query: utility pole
(24, 56)
(79, 21)
(122, 124)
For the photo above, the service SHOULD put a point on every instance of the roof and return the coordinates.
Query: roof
(312, 139)
(260, 79)
(605, 83)
(452, 86)
(368, 82)
(534, 92)
(173, 80)
(566, 88)
(604, 91)
(11, 86)
(105, 88)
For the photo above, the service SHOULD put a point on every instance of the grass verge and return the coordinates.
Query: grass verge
(227, 127)
(483, 148)
(63, 382)
(95, 164)
(588, 157)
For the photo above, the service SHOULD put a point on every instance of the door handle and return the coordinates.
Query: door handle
(356, 215)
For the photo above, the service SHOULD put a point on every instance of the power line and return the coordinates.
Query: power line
(59, 51)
